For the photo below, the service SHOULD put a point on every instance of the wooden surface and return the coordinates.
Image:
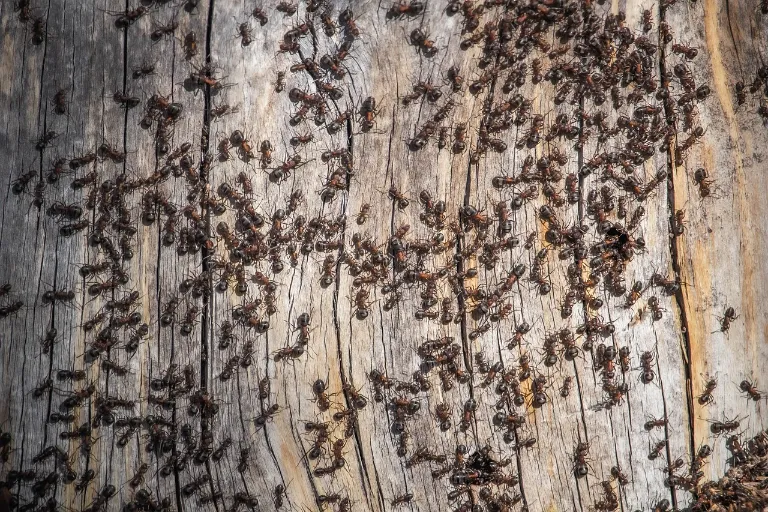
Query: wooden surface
(79, 47)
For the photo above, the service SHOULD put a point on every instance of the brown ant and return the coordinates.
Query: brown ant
(144, 70)
(565, 389)
(424, 45)
(60, 103)
(656, 450)
(260, 15)
(368, 113)
(245, 34)
(748, 387)
(39, 31)
(402, 499)
(242, 461)
(617, 474)
(190, 45)
(655, 422)
(52, 296)
(656, 310)
(164, 31)
(580, 468)
(722, 427)
(398, 198)
(19, 185)
(287, 8)
(706, 398)
(728, 317)
(45, 140)
(705, 185)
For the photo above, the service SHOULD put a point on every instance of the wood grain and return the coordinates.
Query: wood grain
(375, 285)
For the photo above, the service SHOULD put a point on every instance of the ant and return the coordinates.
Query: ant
(655, 422)
(424, 45)
(401, 8)
(245, 34)
(368, 113)
(728, 317)
(749, 387)
(60, 103)
(164, 31)
(143, 70)
(722, 427)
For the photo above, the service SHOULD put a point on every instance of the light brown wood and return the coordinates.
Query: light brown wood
(361, 323)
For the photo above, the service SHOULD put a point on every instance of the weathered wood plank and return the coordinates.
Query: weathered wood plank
(730, 151)
(373, 286)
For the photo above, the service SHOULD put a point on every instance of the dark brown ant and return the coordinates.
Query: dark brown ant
(565, 389)
(656, 311)
(655, 423)
(223, 110)
(129, 16)
(748, 387)
(706, 398)
(647, 20)
(425, 45)
(190, 45)
(634, 294)
(138, 479)
(288, 353)
(398, 198)
(24, 10)
(260, 15)
(125, 101)
(329, 26)
(73, 375)
(219, 452)
(689, 53)
(238, 140)
(85, 479)
(368, 112)
(60, 103)
(657, 449)
(245, 34)
(580, 468)
(402, 499)
(278, 495)
(106, 151)
(346, 18)
(45, 140)
(52, 296)
(301, 139)
(39, 31)
(324, 499)
(741, 93)
(705, 185)
(722, 427)
(262, 419)
(728, 317)
(41, 388)
(70, 211)
(164, 30)
(242, 461)
(48, 341)
(403, 8)
(617, 474)
(287, 8)
(280, 81)
(19, 185)
(195, 485)
(142, 71)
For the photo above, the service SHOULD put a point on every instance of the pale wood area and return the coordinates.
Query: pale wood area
(233, 249)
